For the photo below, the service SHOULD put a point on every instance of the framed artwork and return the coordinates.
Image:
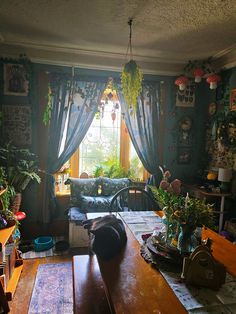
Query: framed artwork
(17, 124)
(183, 155)
(186, 97)
(212, 108)
(232, 105)
(15, 80)
(185, 136)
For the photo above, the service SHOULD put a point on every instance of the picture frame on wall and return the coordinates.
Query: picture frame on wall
(232, 105)
(186, 98)
(17, 124)
(184, 155)
(15, 80)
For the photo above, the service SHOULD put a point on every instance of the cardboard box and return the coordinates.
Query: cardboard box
(78, 236)
(11, 257)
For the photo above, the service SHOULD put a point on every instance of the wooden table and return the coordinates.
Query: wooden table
(135, 287)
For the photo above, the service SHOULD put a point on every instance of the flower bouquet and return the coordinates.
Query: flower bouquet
(182, 214)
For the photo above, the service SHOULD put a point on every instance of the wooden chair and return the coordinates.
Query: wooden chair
(132, 198)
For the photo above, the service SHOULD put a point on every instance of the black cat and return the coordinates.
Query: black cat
(108, 235)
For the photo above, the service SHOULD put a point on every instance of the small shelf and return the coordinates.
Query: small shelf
(5, 234)
(11, 287)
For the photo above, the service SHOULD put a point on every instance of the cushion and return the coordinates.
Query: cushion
(111, 186)
(74, 214)
(95, 203)
(80, 187)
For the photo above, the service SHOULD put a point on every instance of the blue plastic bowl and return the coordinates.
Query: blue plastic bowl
(43, 244)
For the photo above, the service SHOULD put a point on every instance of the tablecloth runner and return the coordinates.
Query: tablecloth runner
(195, 300)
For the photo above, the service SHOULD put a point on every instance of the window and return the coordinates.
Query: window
(102, 141)
(106, 143)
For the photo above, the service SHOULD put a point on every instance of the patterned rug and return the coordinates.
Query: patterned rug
(53, 290)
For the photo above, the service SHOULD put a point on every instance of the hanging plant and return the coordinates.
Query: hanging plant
(131, 81)
(131, 77)
(48, 110)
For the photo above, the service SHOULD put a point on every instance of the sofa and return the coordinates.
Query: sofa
(95, 194)
(89, 196)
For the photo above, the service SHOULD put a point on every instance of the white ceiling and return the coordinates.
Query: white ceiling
(94, 33)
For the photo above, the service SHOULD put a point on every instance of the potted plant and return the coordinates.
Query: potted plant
(7, 217)
(131, 80)
(20, 166)
(182, 214)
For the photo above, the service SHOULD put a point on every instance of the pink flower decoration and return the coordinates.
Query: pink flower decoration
(167, 174)
(164, 185)
(176, 186)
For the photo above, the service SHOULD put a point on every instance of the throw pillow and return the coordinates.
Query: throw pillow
(90, 204)
(111, 186)
(80, 187)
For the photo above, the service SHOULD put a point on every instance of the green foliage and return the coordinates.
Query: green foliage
(20, 166)
(183, 210)
(110, 169)
(131, 81)
(98, 172)
(6, 197)
(168, 202)
(48, 110)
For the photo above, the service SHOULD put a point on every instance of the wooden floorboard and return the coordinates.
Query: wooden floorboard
(22, 296)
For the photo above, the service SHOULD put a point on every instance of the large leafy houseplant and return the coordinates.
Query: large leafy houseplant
(6, 195)
(20, 166)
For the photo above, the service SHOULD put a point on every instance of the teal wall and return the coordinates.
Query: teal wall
(198, 114)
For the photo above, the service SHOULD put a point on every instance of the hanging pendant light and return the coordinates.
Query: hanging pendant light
(182, 82)
(213, 80)
(198, 74)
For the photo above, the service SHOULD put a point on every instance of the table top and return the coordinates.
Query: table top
(205, 192)
(136, 287)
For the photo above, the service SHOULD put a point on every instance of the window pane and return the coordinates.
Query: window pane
(102, 141)
(136, 167)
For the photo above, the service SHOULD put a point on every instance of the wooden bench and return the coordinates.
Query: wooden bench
(89, 291)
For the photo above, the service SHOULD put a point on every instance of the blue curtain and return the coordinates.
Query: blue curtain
(143, 126)
(74, 104)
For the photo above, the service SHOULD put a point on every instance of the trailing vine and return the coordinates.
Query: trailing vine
(131, 81)
(48, 110)
(131, 77)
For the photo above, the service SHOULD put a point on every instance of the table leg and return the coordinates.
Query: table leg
(221, 218)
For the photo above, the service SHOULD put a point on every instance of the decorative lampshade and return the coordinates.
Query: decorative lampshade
(181, 81)
(224, 175)
(213, 80)
(198, 74)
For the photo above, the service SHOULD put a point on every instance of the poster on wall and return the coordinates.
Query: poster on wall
(233, 100)
(186, 97)
(17, 124)
(183, 155)
(15, 80)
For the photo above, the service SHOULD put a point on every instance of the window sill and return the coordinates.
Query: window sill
(64, 193)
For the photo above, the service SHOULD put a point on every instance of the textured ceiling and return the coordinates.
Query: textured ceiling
(166, 34)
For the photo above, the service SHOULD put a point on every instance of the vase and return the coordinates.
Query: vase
(169, 230)
(187, 240)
